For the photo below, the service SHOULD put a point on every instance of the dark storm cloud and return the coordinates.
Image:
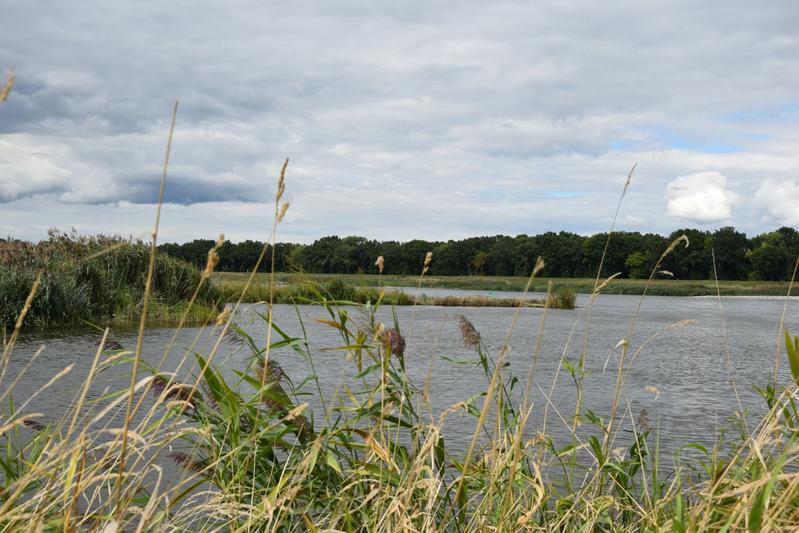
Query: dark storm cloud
(183, 190)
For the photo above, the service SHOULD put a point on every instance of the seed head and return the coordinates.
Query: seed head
(223, 316)
(427, 258)
(471, 337)
(629, 180)
(274, 372)
(642, 422)
(539, 265)
(602, 285)
(213, 258)
(393, 342)
(7, 88)
(653, 390)
(172, 390)
(675, 242)
(186, 461)
(282, 212)
(379, 263)
(32, 424)
(281, 182)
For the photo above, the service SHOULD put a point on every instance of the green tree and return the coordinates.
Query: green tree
(501, 256)
(693, 261)
(731, 250)
(637, 265)
(773, 254)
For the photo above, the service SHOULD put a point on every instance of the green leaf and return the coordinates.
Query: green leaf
(223, 395)
(597, 449)
(792, 348)
(678, 523)
(440, 455)
(565, 450)
(570, 367)
(756, 513)
(332, 462)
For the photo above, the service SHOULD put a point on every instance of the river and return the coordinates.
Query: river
(693, 350)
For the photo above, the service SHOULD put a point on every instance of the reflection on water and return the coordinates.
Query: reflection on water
(691, 364)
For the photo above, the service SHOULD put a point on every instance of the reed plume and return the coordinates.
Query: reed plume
(10, 77)
(470, 335)
(393, 342)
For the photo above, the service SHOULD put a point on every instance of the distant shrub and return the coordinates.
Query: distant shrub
(563, 299)
(338, 289)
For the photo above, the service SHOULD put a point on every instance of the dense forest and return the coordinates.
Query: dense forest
(770, 256)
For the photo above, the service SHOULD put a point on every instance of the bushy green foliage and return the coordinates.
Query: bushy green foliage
(89, 278)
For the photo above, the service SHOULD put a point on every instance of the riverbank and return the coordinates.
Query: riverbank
(658, 287)
(71, 279)
(334, 288)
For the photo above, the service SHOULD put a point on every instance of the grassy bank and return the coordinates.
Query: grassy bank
(95, 279)
(661, 286)
(311, 290)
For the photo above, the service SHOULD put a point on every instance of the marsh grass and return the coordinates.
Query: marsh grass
(255, 454)
(307, 291)
(95, 279)
(661, 285)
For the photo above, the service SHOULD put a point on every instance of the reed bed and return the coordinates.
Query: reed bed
(95, 279)
(309, 291)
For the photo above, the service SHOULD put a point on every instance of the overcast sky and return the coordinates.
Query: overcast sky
(413, 119)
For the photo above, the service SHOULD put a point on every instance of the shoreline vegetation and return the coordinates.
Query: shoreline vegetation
(101, 279)
(659, 286)
(90, 279)
(85, 279)
(309, 289)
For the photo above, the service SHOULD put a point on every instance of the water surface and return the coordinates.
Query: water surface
(690, 350)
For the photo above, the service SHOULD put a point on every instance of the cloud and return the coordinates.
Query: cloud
(780, 201)
(700, 197)
(405, 119)
(28, 168)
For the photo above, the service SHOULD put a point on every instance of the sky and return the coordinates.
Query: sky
(402, 120)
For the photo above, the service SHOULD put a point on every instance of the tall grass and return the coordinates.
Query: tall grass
(255, 457)
(93, 279)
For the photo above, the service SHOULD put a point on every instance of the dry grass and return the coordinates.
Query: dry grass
(6, 90)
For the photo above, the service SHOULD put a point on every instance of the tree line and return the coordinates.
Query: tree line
(769, 256)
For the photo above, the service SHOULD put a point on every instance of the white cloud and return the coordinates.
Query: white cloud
(779, 200)
(28, 167)
(700, 197)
